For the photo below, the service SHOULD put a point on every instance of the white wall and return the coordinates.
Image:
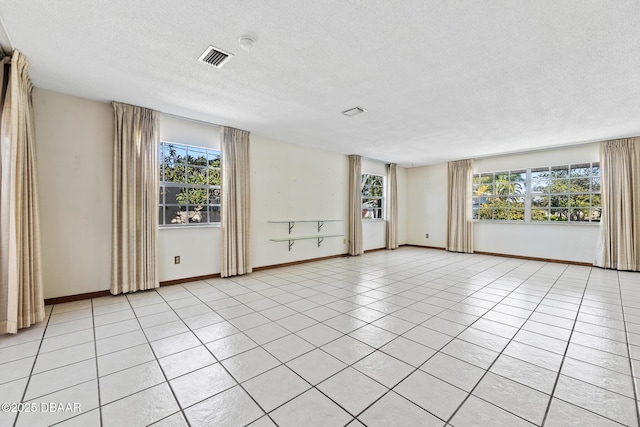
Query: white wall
(427, 206)
(74, 140)
(427, 189)
(199, 248)
(292, 182)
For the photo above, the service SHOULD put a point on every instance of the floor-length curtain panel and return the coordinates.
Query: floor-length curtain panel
(355, 205)
(459, 219)
(392, 207)
(134, 253)
(21, 294)
(236, 202)
(619, 240)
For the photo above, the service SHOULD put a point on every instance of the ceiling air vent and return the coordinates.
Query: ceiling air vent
(214, 56)
(354, 111)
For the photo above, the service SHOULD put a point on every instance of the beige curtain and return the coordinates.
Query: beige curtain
(459, 220)
(355, 205)
(392, 207)
(21, 294)
(236, 202)
(619, 241)
(134, 253)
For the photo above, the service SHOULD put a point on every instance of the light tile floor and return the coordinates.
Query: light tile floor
(412, 337)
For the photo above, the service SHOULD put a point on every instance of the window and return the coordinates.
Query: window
(189, 185)
(567, 193)
(372, 196)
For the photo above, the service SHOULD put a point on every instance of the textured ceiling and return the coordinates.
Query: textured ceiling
(442, 80)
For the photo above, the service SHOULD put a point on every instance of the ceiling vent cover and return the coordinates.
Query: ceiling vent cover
(354, 111)
(214, 56)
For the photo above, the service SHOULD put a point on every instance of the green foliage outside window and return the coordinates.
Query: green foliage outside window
(568, 193)
(190, 180)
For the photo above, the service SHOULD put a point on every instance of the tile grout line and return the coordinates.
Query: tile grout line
(35, 360)
(634, 381)
(486, 371)
(95, 349)
(452, 339)
(564, 356)
(265, 413)
(156, 360)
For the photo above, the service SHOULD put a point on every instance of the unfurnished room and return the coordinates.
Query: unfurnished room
(319, 213)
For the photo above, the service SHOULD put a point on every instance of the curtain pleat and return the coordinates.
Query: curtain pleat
(619, 239)
(355, 205)
(134, 255)
(459, 219)
(392, 207)
(236, 203)
(21, 288)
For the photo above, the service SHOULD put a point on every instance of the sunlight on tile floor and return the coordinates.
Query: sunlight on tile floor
(412, 337)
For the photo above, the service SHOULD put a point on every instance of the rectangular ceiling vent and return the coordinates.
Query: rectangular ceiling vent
(214, 56)
(354, 111)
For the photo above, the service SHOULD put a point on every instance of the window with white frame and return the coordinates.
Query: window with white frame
(189, 185)
(372, 196)
(565, 193)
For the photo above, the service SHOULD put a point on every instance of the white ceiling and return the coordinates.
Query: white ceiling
(442, 80)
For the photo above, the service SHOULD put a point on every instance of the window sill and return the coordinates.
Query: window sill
(183, 226)
(374, 220)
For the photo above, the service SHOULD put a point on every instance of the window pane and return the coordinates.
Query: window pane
(516, 214)
(559, 172)
(197, 175)
(367, 214)
(500, 213)
(519, 181)
(540, 201)
(502, 184)
(175, 173)
(580, 185)
(595, 184)
(213, 158)
(214, 213)
(160, 215)
(596, 201)
(559, 186)
(198, 196)
(595, 169)
(596, 213)
(485, 213)
(175, 215)
(516, 203)
(214, 196)
(539, 215)
(581, 170)
(376, 180)
(559, 215)
(215, 177)
(559, 201)
(580, 200)
(197, 156)
(174, 154)
(540, 180)
(175, 195)
(578, 215)
(197, 215)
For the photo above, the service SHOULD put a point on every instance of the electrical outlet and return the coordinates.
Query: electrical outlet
(426, 235)
(176, 260)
